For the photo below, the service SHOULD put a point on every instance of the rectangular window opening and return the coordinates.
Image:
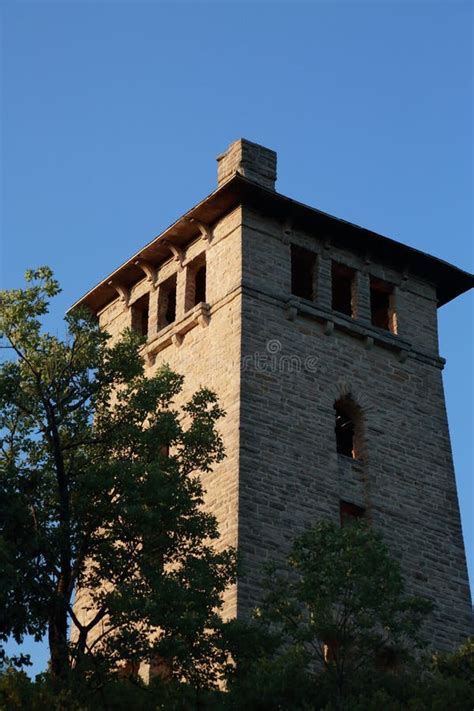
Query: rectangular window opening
(303, 265)
(196, 283)
(343, 289)
(167, 302)
(382, 305)
(200, 285)
(349, 513)
(140, 310)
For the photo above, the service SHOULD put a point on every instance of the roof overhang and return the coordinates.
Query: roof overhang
(449, 281)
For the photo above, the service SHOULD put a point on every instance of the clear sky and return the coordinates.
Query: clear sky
(112, 114)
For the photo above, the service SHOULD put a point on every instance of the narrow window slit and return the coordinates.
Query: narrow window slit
(200, 285)
(344, 433)
(348, 428)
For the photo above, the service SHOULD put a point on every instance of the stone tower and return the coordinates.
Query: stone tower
(320, 339)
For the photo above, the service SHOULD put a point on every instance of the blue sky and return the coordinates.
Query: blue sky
(113, 112)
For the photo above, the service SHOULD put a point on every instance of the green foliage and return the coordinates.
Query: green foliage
(278, 684)
(91, 500)
(341, 616)
(18, 692)
(342, 589)
(459, 665)
(347, 594)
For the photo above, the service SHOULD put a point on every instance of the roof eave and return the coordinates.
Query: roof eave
(448, 279)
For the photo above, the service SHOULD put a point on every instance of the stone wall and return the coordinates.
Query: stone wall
(207, 354)
(299, 358)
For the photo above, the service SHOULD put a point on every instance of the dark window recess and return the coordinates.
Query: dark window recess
(159, 667)
(140, 315)
(195, 292)
(303, 264)
(330, 649)
(388, 659)
(167, 303)
(342, 288)
(381, 297)
(128, 670)
(200, 285)
(344, 433)
(170, 314)
(350, 512)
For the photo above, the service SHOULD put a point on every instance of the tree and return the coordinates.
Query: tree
(100, 496)
(340, 618)
(443, 682)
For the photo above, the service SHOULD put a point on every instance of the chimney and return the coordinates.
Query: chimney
(254, 162)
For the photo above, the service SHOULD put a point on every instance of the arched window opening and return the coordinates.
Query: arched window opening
(348, 428)
(344, 433)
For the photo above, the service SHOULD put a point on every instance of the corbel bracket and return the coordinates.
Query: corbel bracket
(205, 230)
(203, 319)
(202, 314)
(287, 229)
(121, 291)
(403, 355)
(405, 277)
(151, 359)
(178, 253)
(147, 269)
(291, 309)
(177, 339)
(329, 327)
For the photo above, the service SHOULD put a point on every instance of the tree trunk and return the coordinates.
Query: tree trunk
(58, 644)
(57, 632)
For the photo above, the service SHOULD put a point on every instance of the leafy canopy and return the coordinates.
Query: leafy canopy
(101, 524)
(334, 620)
